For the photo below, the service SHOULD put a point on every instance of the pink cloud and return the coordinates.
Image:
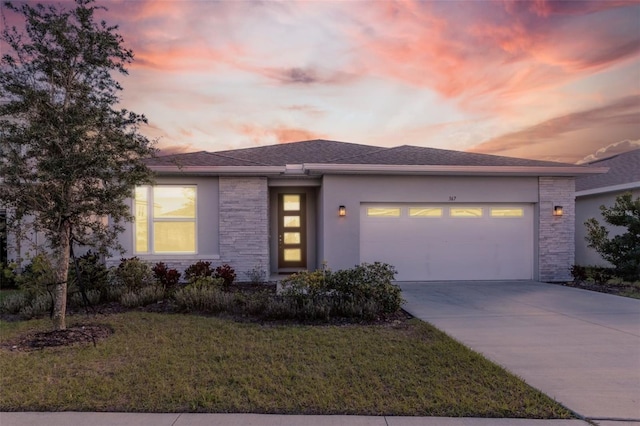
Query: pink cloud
(487, 52)
(264, 135)
(571, 136)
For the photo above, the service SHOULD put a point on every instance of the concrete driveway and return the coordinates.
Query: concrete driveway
(581, 348)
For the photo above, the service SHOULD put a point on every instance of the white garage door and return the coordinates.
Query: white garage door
(438, 242)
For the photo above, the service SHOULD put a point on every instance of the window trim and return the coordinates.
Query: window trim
(151, 221)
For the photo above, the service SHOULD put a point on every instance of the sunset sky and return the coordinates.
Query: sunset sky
(533, 79)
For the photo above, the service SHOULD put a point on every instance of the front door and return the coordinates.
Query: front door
(292, 238)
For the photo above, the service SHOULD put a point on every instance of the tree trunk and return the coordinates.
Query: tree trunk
(61, 265)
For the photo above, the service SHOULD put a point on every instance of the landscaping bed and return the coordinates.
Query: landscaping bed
(619, 288)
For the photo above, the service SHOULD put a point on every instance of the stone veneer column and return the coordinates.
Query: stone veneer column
(244, 224)
(556, 234)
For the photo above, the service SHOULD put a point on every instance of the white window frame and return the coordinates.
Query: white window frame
(151, 220)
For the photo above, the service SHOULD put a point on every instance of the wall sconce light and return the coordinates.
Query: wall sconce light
(342, 211)
(557, 210)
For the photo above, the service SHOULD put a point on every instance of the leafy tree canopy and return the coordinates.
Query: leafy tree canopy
(70, 157)
(622, 251)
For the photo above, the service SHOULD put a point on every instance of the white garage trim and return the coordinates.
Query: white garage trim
(437, 242)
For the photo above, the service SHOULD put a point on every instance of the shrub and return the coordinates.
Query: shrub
(76, 299)
(13, 303)
(133, 274)
(8, 275)
(37, 306)
(227, 273)
(168, 278)
(205, 298)
(199, 269)
(142, 296)
(364, 291)
(207, 282)
(36, 277)
(623, 250)
(368, 282)
(594, 274)
(26, 306)
(93, 278)
(305, 284)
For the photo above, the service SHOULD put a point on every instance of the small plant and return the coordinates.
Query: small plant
(227, 273)
(257, 274)
(133, 274)
(168, 278)
(206, 282)
(579, 273)
(203, 298)
(142, 296)
(199, 269)
(592, 274)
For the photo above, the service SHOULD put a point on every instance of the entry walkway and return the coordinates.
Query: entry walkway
(581, 348)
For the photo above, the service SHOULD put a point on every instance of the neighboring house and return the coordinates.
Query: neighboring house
(433, 214)
(602, 189)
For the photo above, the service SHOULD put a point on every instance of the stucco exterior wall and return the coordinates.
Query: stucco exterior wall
(556, 233)
(340, 237)
(244, 223)
(588, 206)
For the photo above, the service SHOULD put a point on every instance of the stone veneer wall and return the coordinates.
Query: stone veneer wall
(556, 245)
(244, 224)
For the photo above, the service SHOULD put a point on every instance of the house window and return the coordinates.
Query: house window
(465, 211)
(507, 212)
(383, 212)
(165, 219)
(425, 212)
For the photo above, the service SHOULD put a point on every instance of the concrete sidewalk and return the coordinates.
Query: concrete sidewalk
(581, 348)
(132, 419)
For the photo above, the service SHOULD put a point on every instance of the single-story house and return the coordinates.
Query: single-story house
(602, 189)
(434, 214)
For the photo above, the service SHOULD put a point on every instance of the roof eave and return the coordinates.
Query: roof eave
(313, 168)
(220, 170)
(611, 188)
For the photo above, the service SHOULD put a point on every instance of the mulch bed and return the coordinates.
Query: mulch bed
(81, 334)
(608, 288)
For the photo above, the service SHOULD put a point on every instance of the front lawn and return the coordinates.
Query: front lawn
(188, 363)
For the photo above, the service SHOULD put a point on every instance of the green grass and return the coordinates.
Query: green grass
(185, 363)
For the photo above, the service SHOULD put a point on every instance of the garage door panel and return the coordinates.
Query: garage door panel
(451, 248)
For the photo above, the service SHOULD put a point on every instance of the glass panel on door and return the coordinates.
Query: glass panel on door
(291, 231)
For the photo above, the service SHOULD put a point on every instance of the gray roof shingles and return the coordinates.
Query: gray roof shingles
(623, 168)
(333, 152)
